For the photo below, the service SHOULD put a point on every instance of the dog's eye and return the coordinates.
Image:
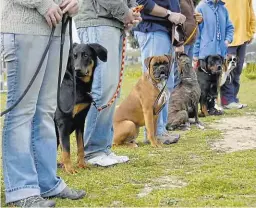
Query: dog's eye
(75, 56)
(234, 59)
(85, 55)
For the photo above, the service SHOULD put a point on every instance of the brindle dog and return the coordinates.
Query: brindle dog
(85, 61)
(185, 97)
(137, 109)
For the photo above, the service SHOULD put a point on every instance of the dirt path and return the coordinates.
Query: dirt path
(239, 133)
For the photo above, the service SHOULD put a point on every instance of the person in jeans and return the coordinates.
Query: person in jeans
(190, 28)
(103, 22)
(214, 34)
(243, 17)
(29, 144)
(153, 35)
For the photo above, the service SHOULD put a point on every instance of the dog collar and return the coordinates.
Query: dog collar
(205, 71)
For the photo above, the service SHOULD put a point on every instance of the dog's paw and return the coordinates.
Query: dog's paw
(156, 144)
(200, 125)
(82, 165)
(70, 169)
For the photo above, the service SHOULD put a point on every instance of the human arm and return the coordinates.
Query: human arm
(132, 3)
(252, 21)
(198, 39)
(150, 7)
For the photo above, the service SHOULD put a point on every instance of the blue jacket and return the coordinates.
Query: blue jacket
(152, 23)
(214, 30)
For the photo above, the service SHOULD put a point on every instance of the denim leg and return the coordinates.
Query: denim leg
(238, 70)
(21, 54)
(44, 141)
(98, 134)
(156, 44)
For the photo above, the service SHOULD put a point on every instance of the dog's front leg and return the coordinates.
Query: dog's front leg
(80, 149)
(198, 123)
(149, 123)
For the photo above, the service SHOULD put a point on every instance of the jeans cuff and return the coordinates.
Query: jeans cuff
(59, 187)
(22, 193)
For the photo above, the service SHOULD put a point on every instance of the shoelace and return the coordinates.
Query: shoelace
(30, 200)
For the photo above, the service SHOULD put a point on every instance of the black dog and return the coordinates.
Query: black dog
(208, 75)
(85, 61)
(185, 97)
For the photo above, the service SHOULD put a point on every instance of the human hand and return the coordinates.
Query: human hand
(226, 43)
(132, 19)
(176, 18)
(198, 17)
(53, 16)
(179, 49)
(70, 6)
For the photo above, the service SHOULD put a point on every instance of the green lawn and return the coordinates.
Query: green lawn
(187, 174)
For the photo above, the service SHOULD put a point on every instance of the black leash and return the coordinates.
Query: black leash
(63, 30)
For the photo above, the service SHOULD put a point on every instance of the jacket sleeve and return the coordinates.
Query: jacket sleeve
(198, 38)
(118, 8)
(229, 29)
(41, 6)
(252, 20)
(148, 5)
(132, 3)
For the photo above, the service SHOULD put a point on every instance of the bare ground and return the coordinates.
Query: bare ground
(239, 133)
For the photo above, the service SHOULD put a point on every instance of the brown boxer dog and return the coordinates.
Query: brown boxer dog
(137, 110)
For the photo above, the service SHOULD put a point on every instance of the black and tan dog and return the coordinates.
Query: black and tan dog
(208, 75)
(185, 97)
(137, 109)
(85, 61)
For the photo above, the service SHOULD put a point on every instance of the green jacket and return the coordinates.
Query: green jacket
(103, 12)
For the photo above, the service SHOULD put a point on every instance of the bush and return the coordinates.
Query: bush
(250, 71)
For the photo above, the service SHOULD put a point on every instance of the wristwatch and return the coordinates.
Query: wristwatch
(168, 13)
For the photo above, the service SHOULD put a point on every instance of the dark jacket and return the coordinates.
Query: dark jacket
(152, 23)
(188, 9)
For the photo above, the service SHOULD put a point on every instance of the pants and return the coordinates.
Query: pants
(229, 91)
(29, 143)
(188, 49)
(98, 134)
(157, 44)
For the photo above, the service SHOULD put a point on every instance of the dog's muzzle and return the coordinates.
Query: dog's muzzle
(219, 70)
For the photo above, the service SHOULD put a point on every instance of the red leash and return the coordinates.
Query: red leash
(112, 100)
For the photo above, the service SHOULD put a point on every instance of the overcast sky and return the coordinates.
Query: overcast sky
(254, 5)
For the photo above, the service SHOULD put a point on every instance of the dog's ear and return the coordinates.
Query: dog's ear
(147, 61)
(222, 59)
(74, 45)
(169, 58)
(100, 51)
(203, 63)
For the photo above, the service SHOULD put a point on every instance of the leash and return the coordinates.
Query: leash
(113, 98)
(192, 34)
(63, 30)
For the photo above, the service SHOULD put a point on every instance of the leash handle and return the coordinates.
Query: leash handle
(113, 98)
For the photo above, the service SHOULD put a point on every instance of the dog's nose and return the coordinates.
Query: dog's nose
(219, 68)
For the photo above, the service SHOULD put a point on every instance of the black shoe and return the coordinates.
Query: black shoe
(68, 193)
(167, 138)
(33, 201)
(215, 112)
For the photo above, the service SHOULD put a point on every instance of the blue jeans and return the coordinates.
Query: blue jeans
(188, 49)
(229, 91)
(29, 143)
(157, 44)
(98, 134)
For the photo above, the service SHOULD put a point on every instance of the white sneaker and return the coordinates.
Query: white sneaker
(233, 106)
(120, 159)
(103, 160)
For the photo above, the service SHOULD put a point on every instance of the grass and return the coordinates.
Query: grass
(213, 178)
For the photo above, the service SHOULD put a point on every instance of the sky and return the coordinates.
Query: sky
(254, 5)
